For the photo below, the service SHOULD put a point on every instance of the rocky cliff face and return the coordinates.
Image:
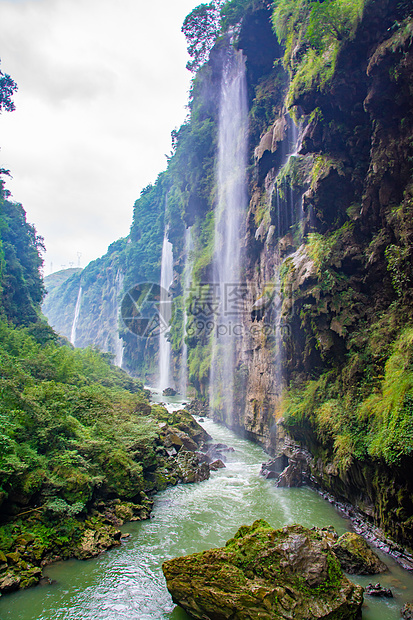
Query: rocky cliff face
(330, 230)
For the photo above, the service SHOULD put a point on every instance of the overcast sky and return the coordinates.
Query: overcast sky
(101, 85)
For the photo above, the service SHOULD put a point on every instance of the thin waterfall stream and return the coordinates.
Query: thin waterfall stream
(126, 583)
(229, 227)
(165, 313)
(76, 317)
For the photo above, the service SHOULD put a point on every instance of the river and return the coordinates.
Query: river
(127, 583)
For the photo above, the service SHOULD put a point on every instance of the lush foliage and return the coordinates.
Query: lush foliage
(71, 423)
(201, 28)
(7, 87)
(312, 33)
(358, 411)
(20, 280)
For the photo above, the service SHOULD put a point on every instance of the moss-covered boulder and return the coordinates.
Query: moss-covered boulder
(265, 573)
(356, 557)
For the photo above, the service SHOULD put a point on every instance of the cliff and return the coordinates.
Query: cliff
(323, 349)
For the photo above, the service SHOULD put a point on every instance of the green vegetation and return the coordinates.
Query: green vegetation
(7, 87)
(21, 286)
(313, 33)
(357, 411)
(201, 28)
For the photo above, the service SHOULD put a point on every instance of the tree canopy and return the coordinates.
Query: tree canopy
(201, 28)
(7, 87)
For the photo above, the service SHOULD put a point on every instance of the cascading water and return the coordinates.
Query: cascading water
(183, 375)
(165, 312)
(229, 232)
(118, 340)
(76, 317)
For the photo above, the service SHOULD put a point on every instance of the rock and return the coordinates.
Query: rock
(377, 590)
(169, 392)
(356, 557)
(273, 467)
(264, 573)
(407, 611)
(294, 475)
(94, 541)
(218, 464)
(197, 407)
(190, 469)
(9, 582)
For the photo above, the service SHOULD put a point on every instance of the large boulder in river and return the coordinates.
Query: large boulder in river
(356, 557)
(265, 573)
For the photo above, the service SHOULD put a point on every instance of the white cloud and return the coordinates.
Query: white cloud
(102, 83)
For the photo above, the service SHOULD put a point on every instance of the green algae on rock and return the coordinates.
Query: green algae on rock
(356, 557)
(265, 573)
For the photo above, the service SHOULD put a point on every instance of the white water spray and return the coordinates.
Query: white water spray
(76, 317)
(229, 232)
(165, 312)
(118, 340)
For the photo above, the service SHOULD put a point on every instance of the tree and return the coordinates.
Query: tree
(7, 88)
(201, 28)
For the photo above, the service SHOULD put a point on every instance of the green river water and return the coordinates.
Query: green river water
(127, 583)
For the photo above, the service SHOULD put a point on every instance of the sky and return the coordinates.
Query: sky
(101, 85)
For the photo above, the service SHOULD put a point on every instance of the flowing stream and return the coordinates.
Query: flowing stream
(127, 583)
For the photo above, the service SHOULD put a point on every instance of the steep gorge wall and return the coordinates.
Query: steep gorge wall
(346, 273)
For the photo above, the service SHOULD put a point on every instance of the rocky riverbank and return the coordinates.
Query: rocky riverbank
(40, 535)
(293, 466)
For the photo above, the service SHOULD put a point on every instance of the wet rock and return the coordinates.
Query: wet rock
(265, 573)
(356, 557)
(274, 467)
(197, 407)
(218, 464)
(190, 469)
(94, 541)
(294, 475)
(378, 590)
(407, 611)
(9, 582)
(169, 392)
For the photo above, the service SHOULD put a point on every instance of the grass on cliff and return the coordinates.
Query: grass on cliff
(373, 417)
(312, 34)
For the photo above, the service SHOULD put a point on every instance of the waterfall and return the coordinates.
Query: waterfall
(118, 340)
(165, 312)
(183, 375)
(229, 232)
(76, 317)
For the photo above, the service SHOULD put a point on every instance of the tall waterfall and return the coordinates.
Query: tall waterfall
(165, 311)
(183, 375)
(229, 232)
(76, 317)
(118, 340)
